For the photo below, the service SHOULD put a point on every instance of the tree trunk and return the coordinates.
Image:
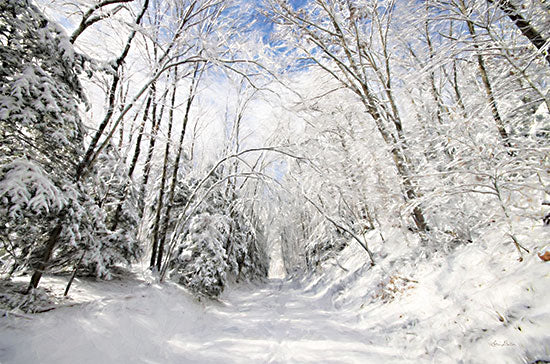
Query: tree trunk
(489, 89)
(457, 92)
(355, 71)
(133, 163)
(53, 237)
(156, 122)
(435, 93)
(174, 180)
(75, 270)
(524, 26)
(399, 158)
(158, 212)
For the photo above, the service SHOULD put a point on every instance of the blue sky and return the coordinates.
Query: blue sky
(298, 3)
(264, 24)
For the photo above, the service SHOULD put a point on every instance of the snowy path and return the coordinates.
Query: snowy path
(280, 324)
(276, 323)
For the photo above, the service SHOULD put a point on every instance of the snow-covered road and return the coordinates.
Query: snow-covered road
(283, 324)
(135, 323)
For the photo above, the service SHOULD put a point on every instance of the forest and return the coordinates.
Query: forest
(384, 160)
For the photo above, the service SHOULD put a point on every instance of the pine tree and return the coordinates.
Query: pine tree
(101, 246)
(201, 258)
(49, 218)
(41, 132)
(220, 244)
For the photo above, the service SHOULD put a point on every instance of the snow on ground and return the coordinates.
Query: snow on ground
(133, 322)
(477, 304)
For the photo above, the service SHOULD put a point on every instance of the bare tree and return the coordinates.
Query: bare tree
(95, 14)
(111, 97)
(485, 78)
(162, 217)
(350, 43)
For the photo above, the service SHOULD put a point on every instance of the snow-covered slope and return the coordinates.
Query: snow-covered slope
(477, 304)
(107, 322)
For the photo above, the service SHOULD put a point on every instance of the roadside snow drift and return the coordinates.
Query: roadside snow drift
(478, 304)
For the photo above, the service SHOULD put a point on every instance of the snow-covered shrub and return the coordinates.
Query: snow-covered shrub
(90, 242)
(326, 243)
(540, 128)
(92, 233)
(220, 244)
(200, 262)
(115, 199)
(246, 256)
(13, 299)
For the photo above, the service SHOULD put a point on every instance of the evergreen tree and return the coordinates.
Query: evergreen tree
(105, 245)
(41, 132)
(220, 243)
(48, 218)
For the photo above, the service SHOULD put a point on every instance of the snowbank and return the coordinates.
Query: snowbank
(120, 321)
(476, 304)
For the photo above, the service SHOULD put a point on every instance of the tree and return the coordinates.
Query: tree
(485, 164)
(350, 43)
(42, 133)
(200, 260)
(50, 216)
(162, 216)
(105, 246)
(218, 243)
(526, 28)
(87, 20)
